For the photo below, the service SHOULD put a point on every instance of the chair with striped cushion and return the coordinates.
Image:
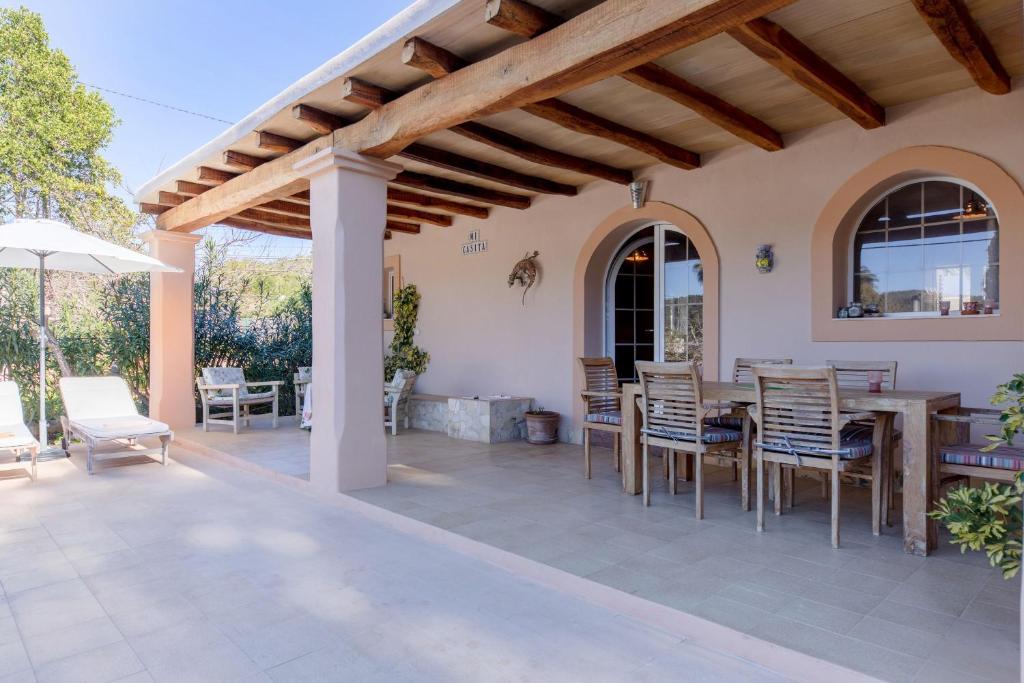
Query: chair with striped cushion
(956, 457)
(800, 425)
(732, 414)
(602, 406)
(673, 413)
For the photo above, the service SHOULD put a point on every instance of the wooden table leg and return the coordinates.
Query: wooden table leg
(916, 483)
(632, 465)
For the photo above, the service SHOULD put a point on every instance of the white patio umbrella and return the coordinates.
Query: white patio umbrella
(49, 245)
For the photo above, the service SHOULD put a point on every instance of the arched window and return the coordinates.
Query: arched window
(924, 246)
(655, 297)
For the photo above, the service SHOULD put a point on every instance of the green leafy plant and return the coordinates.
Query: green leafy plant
(988, 519)
(1011, 396)
(405, 355)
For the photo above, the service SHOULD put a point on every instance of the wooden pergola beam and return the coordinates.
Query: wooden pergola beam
(321, 121)
(271, 218)
(187, 187)
(256, 226)
(170, 198)
(358, 91)
(425, 56)
(215, 176)
(243, 161)
(713, 108)
(581, 121)
(952, 23)
(423, 216)
(785, 52)
(520, 17)
(481, 169)
(152, 209)
(272, 142)
(439, 203)
(400, 226)
(430, 183)
(286, 208)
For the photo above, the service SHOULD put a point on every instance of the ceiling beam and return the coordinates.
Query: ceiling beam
(439, 203)
(321, 121)
(368, 95)
(272, 142)
(215, 176)
(951, 22)
(152, 209)
(785, 52)
(240, 160)
(399, 226)
(713, 108)
(581, 121)
(274, 218)
(187, 187)
(480, 169)
(256, 226)
(286, 208)
(421, 181)
(520, 17)
(425, 56)
(423, 216)
(524, 149)
(170, 198)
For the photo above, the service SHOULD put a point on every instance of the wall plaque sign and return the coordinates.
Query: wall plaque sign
(475, 245)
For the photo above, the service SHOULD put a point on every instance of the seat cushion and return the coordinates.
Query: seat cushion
(711, 434)
(119, 427)
(854, 443)
(1002, 458)
(727, 421)
(16, 436)
(612, 417)
(252, 397)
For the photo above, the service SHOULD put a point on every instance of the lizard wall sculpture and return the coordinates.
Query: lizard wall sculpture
(525, 272)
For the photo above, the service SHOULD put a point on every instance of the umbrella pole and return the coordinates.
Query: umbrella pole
(42, 351)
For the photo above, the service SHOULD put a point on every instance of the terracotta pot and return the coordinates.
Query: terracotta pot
(542, 427)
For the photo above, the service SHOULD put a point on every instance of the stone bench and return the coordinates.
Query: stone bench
(484, 419)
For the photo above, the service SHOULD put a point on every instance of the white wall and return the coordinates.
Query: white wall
(483, 341)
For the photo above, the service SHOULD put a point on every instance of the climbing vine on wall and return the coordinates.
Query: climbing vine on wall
(405, 355)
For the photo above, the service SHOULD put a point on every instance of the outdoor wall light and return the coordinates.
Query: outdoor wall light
(638, 193)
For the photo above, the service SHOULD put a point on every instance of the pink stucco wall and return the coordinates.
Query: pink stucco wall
(483, 341)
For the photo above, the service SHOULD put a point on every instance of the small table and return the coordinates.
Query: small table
(916, 407)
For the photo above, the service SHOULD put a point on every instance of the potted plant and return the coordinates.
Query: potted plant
(990, 518)
(541, 426)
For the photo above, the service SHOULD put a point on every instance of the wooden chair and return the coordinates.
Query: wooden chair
(226, 389)
(396, 399)
(673, 412)
(602, 406)
(302, 378)
(800, 425)
(853, 374)
(956, 458)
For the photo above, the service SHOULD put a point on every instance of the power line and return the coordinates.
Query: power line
(157, 104)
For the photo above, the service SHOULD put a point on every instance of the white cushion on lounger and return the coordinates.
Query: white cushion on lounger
(16, 436)
(89, 397)
(13, 432)
(119, 427)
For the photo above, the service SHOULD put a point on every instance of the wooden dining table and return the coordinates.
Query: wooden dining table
(916, 408)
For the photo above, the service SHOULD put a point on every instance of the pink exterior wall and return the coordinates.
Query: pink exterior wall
(483, 341)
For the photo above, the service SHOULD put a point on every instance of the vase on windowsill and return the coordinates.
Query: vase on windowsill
(542, 426)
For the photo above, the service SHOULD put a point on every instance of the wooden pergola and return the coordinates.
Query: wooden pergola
(495, 102)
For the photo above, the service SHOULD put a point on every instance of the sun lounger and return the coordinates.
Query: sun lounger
(14, 435)
(101, 409)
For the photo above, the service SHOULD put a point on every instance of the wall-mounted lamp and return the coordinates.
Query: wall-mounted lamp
(638, 193)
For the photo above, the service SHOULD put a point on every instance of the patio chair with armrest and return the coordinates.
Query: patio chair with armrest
(302, 378)
(226, 390)
(602, 407)
(673, 418)
(396, 399)
(14, 435)
(101, 409)
(800, 425)
(956, 457)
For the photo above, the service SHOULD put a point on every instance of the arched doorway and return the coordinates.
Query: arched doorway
(654, 300)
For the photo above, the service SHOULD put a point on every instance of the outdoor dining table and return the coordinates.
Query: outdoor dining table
(916, 407)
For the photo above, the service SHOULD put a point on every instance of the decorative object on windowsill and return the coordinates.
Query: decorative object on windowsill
(764, 260)
(843, 312)
(854, 310)
(969, 308)
(872, 311)
(525, 273)
(638, 193)
(990, 306)
(541, 426)
(943, 308)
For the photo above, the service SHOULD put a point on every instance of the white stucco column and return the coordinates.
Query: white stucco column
(171, 353)
(348, 210)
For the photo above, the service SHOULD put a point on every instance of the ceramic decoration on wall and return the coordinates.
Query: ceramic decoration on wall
(525, 272)
(764, 260)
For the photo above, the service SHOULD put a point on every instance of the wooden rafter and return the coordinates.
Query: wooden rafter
(358, 91)
(425, 56)
(272, 142)
(245, 162)
(785, 52)
(431, 183)
(170, 198)
(581, 121)
(733, 119)
(277, 219)
(952, 23)
(520, 17)
(187, 187)
(439, 203)
(416, 214)
(234, 222)
(152, 209)
(321, 121)
(215, 176)
(481, 169)
(286, 208)
(400, 226)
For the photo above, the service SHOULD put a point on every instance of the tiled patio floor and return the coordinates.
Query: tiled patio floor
(200, 572)
(867, 606)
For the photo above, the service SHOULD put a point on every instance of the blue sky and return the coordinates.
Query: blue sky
(221, 58)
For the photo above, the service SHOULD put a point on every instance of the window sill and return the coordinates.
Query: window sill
(981, 327)
(921, 316)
